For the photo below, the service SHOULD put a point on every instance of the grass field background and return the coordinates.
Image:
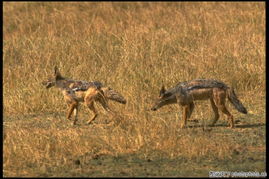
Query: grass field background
(135, 48)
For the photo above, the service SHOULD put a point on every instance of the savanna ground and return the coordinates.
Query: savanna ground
(134, 48)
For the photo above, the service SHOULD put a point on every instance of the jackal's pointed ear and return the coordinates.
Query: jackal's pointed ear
(162, 91)
(57, 72)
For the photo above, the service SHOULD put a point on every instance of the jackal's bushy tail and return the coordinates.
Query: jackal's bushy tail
(235, 101)
(114, 95)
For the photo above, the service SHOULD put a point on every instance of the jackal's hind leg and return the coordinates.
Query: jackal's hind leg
(104, 103)
(90, 105)
(230, 117)
(216, 112)
(219, 99)
(185, 113)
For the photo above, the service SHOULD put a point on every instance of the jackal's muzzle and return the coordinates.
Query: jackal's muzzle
(165, 98)
(48, 84)
(156, 106)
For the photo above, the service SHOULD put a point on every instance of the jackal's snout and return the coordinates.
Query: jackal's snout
(163, 97)
(123, 101)
(47, 84)
(156, 105)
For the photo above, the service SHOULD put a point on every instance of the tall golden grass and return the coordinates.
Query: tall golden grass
(133, 47)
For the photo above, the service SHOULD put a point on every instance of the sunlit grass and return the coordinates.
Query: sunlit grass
(135, 48)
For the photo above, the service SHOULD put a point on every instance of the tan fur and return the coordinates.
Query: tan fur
(75, 92)
(88, 97)
(200, 89)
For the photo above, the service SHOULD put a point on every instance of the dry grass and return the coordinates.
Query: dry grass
(133, 47)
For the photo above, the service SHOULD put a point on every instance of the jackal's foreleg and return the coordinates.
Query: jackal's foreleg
(75, 115)
(73, 106)
(191, 107)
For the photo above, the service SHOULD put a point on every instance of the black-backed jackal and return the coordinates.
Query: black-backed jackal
(186, 93)
(75, 91)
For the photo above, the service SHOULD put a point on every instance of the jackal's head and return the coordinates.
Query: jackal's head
(51, 81)
(165, 97)
(113, 95)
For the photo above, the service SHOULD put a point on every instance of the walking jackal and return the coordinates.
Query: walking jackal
(75, 91)
(186, 93)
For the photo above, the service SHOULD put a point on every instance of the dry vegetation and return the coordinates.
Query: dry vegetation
(134, 48)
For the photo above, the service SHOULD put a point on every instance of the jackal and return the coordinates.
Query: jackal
(185, 93)
(76, 91)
